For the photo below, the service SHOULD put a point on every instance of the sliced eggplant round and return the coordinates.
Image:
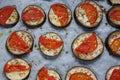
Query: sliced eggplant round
(113, 2)
(113, 73)
(50, 44)
(49, 74)
(113, 42)
(17, 69)
(8, 16)
(33, 16)
(113, 16)
(20, 42)
(80, 73)
(87, 46)
(59, 15)
(88, 14)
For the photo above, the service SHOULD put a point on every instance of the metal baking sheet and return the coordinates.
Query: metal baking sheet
(66, 59)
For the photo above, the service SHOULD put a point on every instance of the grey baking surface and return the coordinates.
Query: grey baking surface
(66, 59)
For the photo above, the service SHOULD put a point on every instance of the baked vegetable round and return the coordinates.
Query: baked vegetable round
(113, 73)
(50, 44)
(113, 16)
(113, 43)
(88, 14)
(33, 16)
(19, 42)
(48, 74)
(17, 69)
(113, 2)
(87, 46)
(80, 73)
(59, 15)
(8, 16)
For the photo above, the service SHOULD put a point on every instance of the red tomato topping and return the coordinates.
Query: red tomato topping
(90, 11)
(18, 43)
(115, 74)
(50, 43)
(115, 45)
(88, 45)
(115, 14)
(32, 14)
(62, 13)
(15, 68)
(5, 14)
(43, 75)
(80, 76)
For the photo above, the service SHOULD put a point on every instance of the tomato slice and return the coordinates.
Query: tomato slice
(115, 45)
(90, 11)
(18, 43)
(80, 76)
(115, 14)
(115, 74)
(15, 68)
(50, 43)
(88, 45)
(62, 13)
(5, 13)
(43, 75)
(32, 14)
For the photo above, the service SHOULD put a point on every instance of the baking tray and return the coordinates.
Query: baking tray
(66, 59)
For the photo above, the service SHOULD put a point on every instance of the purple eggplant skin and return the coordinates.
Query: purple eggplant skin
(108, 47)
(110, 69)
(108, 18)
(81, 67)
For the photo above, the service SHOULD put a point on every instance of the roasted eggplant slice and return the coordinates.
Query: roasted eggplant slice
(50, 44)
(88, 14)
(48, 74)
(59, 15)
(33, 16)
(113, 16)
(87, 46)
(8, 16)
(19, 42)
(113, 2)
(17, 69)
(80, 73)
(113, 43)
(113, 73)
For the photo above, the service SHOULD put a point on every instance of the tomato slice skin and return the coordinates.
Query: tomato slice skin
(88, 45)
(62, 13)
(90, 11)
(115, 45)
(80, 76)
(15, 68)
(115, 74)
(5, 14)
(18, 43)
(43, 75)
(32, 14)
(115, 14)
(50, 43)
